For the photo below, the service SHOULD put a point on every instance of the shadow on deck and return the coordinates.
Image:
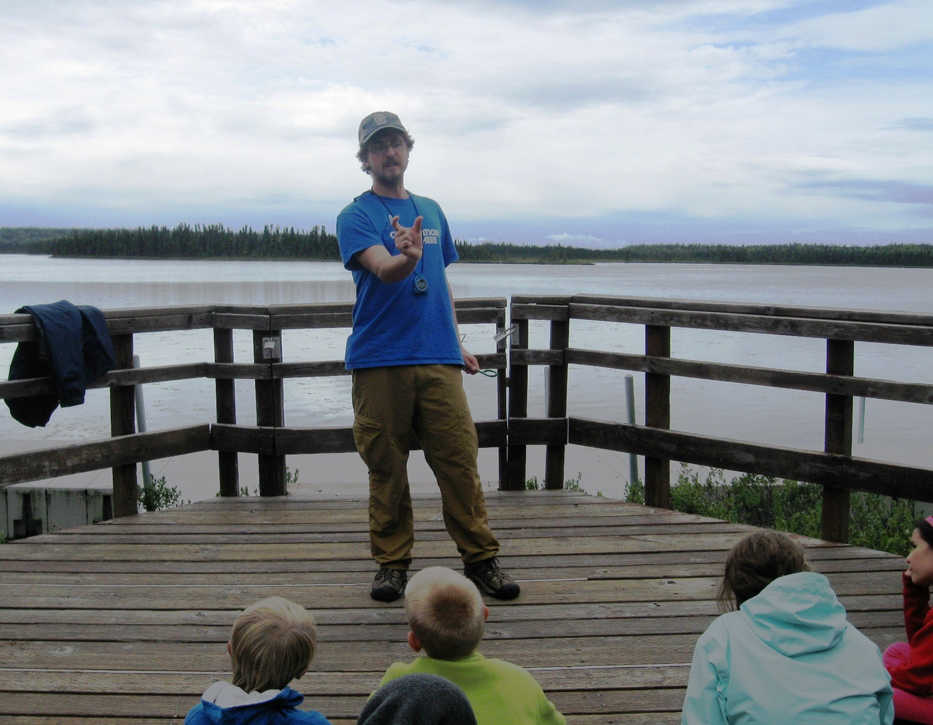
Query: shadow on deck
(126, 621)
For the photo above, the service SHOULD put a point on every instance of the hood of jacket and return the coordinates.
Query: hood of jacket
(227, 704)
(797, 614)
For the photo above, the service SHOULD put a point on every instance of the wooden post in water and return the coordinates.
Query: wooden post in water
(123, 422)
(557, 403)
(228, 466)
(270, 413)
(840, 360)
(518, 407)
(657, 415)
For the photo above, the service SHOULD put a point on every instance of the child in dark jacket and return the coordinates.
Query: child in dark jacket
(910, 663)
(272, 643)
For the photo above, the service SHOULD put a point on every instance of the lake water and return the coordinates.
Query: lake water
(897, 432)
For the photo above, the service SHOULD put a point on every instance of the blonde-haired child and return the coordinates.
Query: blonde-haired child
(272, 643)
(446, 619)
(788, 654)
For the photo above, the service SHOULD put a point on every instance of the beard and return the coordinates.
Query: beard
(388, 174)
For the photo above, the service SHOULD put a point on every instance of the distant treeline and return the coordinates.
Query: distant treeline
(890, 255)
(212, 240)
(25, 239)
(215, 240)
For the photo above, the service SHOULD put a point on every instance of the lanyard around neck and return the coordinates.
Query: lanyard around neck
(385, 206)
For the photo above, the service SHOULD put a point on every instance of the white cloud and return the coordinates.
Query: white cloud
(518, 111)
(879, 28)
(570, 238)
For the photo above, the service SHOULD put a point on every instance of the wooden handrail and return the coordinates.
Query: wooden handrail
(846, 472)
(835, 468)
(513, 431)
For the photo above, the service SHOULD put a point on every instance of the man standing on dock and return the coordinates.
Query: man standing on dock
(405, 356)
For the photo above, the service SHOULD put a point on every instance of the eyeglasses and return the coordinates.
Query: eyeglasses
(380, 147)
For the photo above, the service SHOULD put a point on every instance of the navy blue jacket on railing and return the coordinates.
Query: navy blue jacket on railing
(73, 347)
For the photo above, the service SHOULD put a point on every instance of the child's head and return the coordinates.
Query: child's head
(446, 613)
(756, 561)
(920, 558)
(272, 643)
(418, 698)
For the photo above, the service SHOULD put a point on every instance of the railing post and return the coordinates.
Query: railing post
(840, 360)
(502, 398)
(270, 412)
(518, 407)
(557, 403)
(657, 415)
(630, 417)
(227, 464)
(123, 422)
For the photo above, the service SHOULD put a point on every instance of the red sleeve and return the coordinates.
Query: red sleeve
(916, 607)
(916, 674)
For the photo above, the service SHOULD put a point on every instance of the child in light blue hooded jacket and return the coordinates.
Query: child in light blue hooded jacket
(788, 654)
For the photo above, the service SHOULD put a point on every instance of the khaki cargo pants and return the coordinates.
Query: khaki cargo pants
(389, 405)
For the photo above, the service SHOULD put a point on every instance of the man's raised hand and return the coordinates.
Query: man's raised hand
(408, 239)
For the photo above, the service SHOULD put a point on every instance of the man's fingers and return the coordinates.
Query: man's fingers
(407, 236)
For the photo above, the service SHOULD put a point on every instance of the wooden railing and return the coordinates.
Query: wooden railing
(269, 439)
(512, 431)
(835, 467)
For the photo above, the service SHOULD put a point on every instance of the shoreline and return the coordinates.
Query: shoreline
(522, 262)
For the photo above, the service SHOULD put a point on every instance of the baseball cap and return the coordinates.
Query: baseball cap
(378, 121)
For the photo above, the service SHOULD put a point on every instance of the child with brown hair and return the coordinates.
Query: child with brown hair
(272, 643)
(787, 654)
(446, 617)
(910, 663)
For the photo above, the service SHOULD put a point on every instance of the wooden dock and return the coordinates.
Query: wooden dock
(126, 621)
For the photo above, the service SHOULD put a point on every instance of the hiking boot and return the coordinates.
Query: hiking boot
(491, 580)
(389, 584)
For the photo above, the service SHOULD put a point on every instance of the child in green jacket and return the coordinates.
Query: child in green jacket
(446, 617)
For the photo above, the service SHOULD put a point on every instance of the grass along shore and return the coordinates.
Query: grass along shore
(876, 521)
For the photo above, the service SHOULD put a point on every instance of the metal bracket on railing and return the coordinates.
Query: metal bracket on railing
(502, 333)
(272, 348)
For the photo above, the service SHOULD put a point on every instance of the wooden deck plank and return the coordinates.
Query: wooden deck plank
(322, 683)
(315, 537)
(127, 621)
(239, 551)
(320, 593)
(602, 650)
(174, 706)
(339, 520)
(869, 605)
(531, 629)
(567, 559)
(637, 571)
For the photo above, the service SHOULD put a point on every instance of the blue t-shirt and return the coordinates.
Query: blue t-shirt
(392, 325)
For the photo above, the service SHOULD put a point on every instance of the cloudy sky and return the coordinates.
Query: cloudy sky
(590, 122)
